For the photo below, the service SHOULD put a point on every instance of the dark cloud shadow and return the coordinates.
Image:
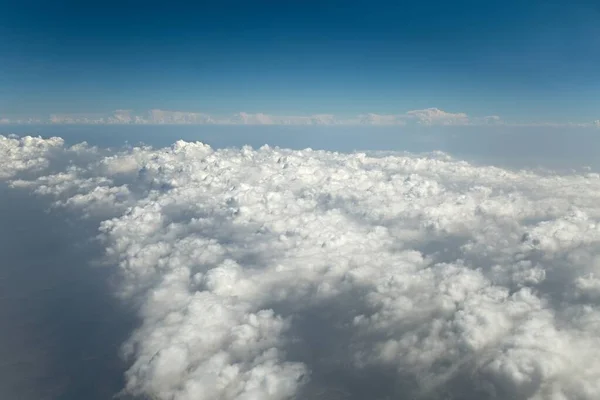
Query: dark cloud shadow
(61, 327)
(322, 337)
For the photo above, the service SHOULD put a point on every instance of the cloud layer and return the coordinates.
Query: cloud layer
(424, 117)
(272, 273)
(429, 116)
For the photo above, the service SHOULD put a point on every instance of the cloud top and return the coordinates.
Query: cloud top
(271, 273)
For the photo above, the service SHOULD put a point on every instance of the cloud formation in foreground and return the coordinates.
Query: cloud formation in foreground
(272, 273)
(427, 117)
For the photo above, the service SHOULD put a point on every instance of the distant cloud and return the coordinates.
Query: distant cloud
(379, 120)
(435, 116)
(428, 117)
(555, 124)
(265, 119)
(80, 119)
(425, 117)
(157, 116)
(123, 117)
(21, 121)
(491, 120)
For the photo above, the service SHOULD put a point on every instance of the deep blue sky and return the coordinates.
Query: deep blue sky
(523, 60)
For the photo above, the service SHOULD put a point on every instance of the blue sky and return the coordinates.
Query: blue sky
(526, 61)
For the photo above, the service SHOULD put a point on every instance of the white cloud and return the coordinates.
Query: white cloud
(267, 273)
(122, 117)
(425, 117)
(435, 116)
(176, 117)
(380, 119)
(26, 154)
(77, 119)
(491, 120)
(250, 119)
(431, 116)
(19, 121)
(157, 116)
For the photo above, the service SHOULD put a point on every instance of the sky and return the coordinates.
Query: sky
(531, 62)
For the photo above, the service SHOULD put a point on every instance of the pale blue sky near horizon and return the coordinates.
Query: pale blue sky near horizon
(532, 61)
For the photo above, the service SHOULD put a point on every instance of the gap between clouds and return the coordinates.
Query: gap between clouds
(273, 274)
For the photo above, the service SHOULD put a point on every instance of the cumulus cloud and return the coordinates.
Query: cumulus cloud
(428, 117)
(424, 117)
(491, 120)
(157, 116)
(122, 116)
(19, 121)
(26, 154)
(435, 116)
(272, 273)
(380, 119)
(81, 118)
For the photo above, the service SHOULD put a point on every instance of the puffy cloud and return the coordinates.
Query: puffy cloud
(491, 120)
(250, 119)
(157, 116)
(176, 117)
(79, 119)
(430, 116)
(122, 117)
(26, 154)
(426, 117)
(381, 119)
(19, 121)
(435, 116)
(265, 119)
(272, 273)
